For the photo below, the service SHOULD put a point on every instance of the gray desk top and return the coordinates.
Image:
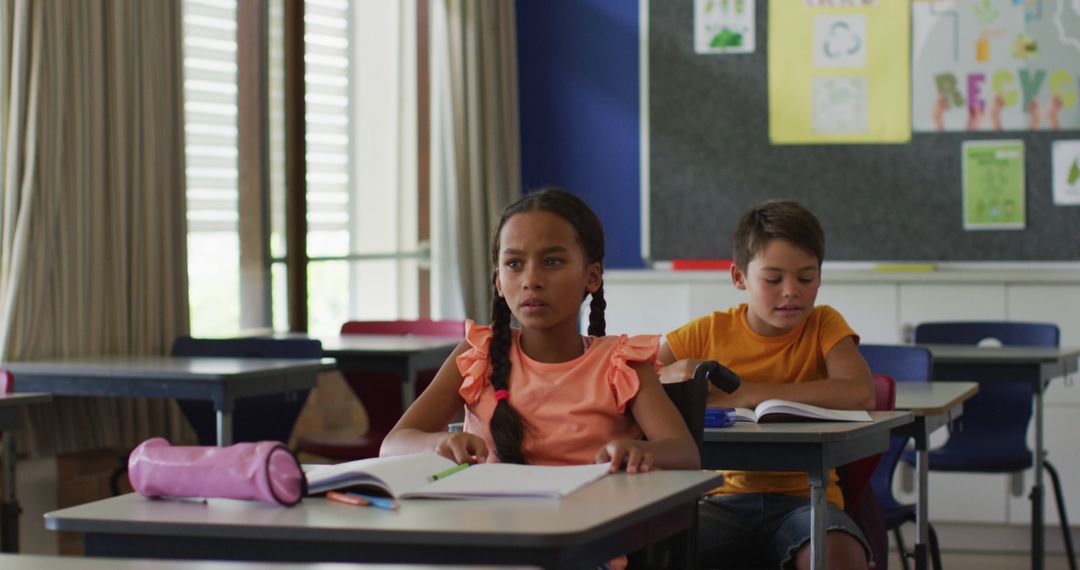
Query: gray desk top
(28, 562)
(618, 499)
(812, 447)
(932, 398)
(807, 432)
(953, 353)
(170, 367)
(10, 404)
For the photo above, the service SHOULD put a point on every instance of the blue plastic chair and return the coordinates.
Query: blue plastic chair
(258, 418)
(902, 364)
(993, 437)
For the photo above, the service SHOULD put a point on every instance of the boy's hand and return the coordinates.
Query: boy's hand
(679, 370)
(744, 397)
(461, 447)
(630, 452)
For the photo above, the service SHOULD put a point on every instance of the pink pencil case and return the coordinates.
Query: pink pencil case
(263, 471)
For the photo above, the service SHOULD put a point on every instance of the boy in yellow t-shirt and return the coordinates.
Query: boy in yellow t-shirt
(781, 346)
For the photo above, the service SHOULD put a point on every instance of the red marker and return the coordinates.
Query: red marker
(347, 499)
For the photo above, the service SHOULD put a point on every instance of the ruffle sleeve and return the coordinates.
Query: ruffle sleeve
(473, 364)
(622, 379)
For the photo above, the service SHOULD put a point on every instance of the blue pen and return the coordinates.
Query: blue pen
(378, 502)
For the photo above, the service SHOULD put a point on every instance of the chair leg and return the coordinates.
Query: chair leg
(118, 473)
(1055, 479)
(901, 548)
(935, 550)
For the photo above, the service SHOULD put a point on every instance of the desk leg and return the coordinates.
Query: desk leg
(224, 428)
(922, 464)
(9, 511)
(1037, 488)
(818, 508)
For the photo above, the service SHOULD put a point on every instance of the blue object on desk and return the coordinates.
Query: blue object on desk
(719, 417)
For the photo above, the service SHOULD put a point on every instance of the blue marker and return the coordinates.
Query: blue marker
(378, 502)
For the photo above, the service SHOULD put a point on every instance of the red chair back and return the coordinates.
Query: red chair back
(7, 386)
(857, 474)
(7, 382)
(422, 327)
(884, 393)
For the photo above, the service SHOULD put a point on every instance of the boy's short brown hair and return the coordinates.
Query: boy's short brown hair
(777, 219)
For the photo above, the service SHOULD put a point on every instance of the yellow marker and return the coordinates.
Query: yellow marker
(905, 267)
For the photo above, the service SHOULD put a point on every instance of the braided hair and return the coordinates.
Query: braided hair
(507, 427)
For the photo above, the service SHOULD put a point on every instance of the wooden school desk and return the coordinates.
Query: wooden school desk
(219, 380)
(934, 404)
(402, 355)
(1035, 366)
(615, 515)
(9, 422)
(27, 562)
(813, 447)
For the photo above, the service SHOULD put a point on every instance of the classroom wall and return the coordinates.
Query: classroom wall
(580, 126)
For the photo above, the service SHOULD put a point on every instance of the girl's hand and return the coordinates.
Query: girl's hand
(631, 452)
(461, 447)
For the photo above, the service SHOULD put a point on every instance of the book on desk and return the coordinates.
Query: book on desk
(776, 410)
(427, 475)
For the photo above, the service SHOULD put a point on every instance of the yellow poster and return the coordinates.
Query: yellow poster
(839, 71)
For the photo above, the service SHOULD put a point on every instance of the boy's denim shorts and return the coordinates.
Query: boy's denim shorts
(761, 529)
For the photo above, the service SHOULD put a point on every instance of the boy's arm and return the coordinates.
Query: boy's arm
(849, 385)
(675, 371)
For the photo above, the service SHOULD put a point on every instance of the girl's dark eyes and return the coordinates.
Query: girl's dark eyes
(552, 261)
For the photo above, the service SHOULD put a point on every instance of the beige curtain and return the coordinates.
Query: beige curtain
(92, 242)
(476, 155)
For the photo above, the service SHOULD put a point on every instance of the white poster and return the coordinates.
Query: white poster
(724, 26)
(995, 65)
(840, 41)
(1066, 161)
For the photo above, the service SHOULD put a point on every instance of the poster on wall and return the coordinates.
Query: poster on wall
(1066, 163)
(838, 71)
(995, 65)
(724, 26)
(993, 185)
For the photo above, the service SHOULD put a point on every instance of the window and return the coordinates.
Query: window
(209, 30)
(363, 209)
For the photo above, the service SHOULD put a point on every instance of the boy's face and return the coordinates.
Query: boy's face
(781, 285)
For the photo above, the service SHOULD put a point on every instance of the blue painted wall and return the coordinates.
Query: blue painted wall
(580, 125)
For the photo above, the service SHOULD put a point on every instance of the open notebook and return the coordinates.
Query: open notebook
(409, 476)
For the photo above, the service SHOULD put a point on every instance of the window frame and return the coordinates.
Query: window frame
(296, 259)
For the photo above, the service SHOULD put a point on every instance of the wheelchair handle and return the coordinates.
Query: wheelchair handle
(718, 375)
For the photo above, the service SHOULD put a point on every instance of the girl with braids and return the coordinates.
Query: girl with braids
(542, 393)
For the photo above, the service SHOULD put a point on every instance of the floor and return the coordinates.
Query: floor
(952, 560)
